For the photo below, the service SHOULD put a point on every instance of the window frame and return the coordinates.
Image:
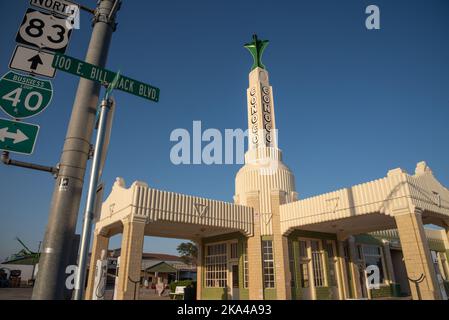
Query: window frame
(381, 255)
(271, 266)
(218, 268)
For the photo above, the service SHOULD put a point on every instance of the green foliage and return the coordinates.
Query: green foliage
(188, 252)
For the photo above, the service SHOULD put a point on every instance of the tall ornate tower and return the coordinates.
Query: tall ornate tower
(264, 170)
(264, 183)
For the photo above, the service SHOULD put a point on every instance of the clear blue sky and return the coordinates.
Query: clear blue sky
(350, 103)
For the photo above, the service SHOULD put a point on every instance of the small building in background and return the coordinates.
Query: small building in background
(155, 268)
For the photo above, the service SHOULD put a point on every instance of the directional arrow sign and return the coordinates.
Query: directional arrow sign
(18, 137)
(33, 61)
(94, 73)
(22, 96)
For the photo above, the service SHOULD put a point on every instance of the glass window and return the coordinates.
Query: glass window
(317, 263)
(291, 258)
(235, 276)
(444, 265)
(373, 256)
(360, 251)
(330, 249)
(234, 252)
(216, 266)
(268, 264)
(303, 249)
(304, 270)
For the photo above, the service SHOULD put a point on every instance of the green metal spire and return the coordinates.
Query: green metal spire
(256, 48)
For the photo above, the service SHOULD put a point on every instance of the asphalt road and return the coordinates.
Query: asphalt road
(25, 294)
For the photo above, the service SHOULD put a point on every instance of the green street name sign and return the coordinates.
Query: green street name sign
(18, 137)
(94, 73)
(22, 96)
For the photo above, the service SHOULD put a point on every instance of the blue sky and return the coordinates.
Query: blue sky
(350, 103)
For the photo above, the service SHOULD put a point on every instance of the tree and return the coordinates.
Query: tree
(188, 252)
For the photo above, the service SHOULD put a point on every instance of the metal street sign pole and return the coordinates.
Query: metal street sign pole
(60, 233)
(80, 279)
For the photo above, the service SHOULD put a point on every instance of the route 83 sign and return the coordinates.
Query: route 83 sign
(44, 31)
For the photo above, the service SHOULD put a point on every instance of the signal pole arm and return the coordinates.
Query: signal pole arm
(9, 162)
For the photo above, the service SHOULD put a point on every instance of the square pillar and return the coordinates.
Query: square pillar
(131, 258)
(446, 242)
(100, 243)
(417, 257)
(389, 261)
(199, 269)
(342, 272)
(280, 247)
(354, 269)
(255, 272)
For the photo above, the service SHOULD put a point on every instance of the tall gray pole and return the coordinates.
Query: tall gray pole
(58, 240)
(80, 278)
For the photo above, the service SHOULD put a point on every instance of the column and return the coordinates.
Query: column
(199, 269)
(356, 285)
(389, 261)
(446, 242)
(280, 248)
(100, 243)
(255, 276)
(417, 257)
(342, 272)
(131, 257)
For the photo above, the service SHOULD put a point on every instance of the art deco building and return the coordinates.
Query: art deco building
(366, 241)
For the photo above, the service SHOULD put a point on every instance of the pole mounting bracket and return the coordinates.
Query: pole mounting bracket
(10, 162)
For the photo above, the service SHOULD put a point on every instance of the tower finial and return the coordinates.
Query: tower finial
(256, 48)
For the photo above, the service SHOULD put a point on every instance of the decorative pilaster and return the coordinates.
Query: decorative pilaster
(255, 276)
(199, 269)
(389, 261)
(342, 272)
(280, 247)
(353, 265)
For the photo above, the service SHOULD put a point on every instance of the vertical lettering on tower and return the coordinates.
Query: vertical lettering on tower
(253, 119)
(267, 116)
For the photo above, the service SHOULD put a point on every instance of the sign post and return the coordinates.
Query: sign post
(65, 203)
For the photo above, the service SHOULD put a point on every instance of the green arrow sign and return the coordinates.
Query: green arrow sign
(22, 96)
(18, 137)
(94, 73)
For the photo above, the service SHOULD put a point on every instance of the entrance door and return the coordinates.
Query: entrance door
(305, 270)
(234, 292)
